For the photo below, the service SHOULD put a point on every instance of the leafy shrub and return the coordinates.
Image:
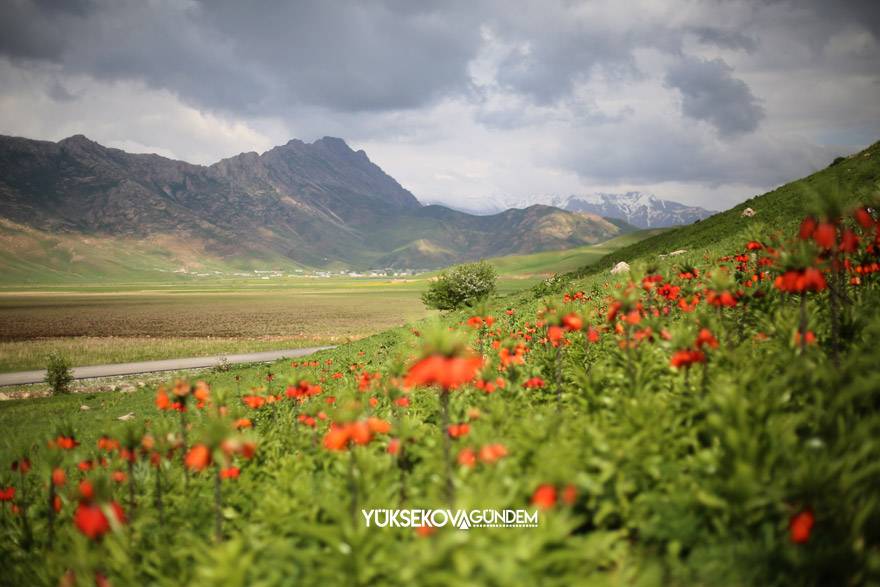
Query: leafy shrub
(58, 375)
(464, 285)
(553, 284)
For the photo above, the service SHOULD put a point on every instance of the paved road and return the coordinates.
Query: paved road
(25, 377)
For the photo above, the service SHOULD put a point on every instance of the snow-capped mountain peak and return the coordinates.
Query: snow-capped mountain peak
(640, 209)
(637, 208)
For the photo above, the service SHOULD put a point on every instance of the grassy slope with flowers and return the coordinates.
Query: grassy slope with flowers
(682, 442)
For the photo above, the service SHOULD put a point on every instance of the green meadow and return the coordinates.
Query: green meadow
(97, 322)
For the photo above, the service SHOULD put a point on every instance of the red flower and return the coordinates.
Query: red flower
(633, 317)
(198, 457)
(686, 358)
(516, 357)
(336, 438)
(724, 298)
(864, 218)
(849, 242)
(360, 433)
(572, 322)
(796, 282)
(569, 494)
(613, 310)
(254, 402)
(202, 392)
(448, 372)
(808, 227)
(66, 443)
(808, 338)
(458, 430)
(393, 446)
(59, 477)
(467, 457)
(475, 322)
(555, 334)
(91, 520)
(534, 383)
(544, 497)
(230, 473)
(108, 444)
(248, 449)
(689, 306)
(825, 235)
(7, 494)
(705, 338)
(86, 491)
(378, 426)
(163, 402)
(23, 466)
(492, 452)
(243, 423)
(800, 526)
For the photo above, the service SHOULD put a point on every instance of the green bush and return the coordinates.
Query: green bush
(464, 285)
(553, 284)
(58, 375)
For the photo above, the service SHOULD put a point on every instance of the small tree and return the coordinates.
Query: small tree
(464, 285)
(58, 374)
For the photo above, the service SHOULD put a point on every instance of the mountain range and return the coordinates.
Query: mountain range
(77, 206)
(635, 208)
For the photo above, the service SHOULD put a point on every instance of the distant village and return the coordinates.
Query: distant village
(305, 273)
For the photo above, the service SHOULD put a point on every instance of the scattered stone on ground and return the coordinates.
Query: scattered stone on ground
(622, 267)
(125, 383)
(748, 213)
(84, 408)
(126, 417)
(674, 253)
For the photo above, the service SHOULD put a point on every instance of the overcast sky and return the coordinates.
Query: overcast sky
(463, 102)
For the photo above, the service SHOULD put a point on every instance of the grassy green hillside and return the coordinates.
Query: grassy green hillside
(30, 256)
(670, 429)
(550, 262)
(855, 178)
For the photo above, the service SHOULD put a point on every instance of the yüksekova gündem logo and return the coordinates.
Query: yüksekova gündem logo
(461, 519)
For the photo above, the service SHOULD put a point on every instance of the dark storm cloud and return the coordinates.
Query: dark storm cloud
(267, 58)
(263, 58)
(709, 92)
(553, 61)
(725, 39)
(831, 12)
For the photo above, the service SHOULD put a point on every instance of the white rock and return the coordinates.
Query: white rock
(748, 213)
(127, 417)
(84, 408)
(622, 267)
(674, 253)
